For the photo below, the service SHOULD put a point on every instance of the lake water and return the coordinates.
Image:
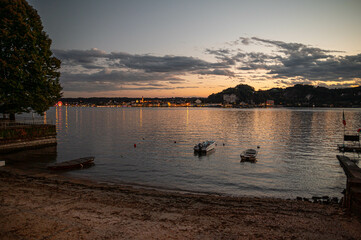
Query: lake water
(297, 154)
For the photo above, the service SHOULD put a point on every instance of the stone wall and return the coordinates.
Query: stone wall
(15, 137)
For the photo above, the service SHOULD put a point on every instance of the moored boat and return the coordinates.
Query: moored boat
(349, 148)
(76, 163)
(351, 140)
(354, 146)
(205, 146)
(249, 155)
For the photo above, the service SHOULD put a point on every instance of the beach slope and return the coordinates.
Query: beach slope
(44, 206)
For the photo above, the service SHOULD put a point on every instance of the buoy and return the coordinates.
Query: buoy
(135, 145)
(175, 141)
(224, 144)
(258, 147)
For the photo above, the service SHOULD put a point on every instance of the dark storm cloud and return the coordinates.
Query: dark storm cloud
(311, 63)
(166, 63)
(105, 87)
(96, 70)
(91, 59)
(109, 71)
(118, 77)
(112, 80)
(79, 56)
(294, 60)
(99, 83)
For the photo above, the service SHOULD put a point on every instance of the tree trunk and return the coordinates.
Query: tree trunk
(12, 116)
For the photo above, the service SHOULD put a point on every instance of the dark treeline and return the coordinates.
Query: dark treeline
(298, 95)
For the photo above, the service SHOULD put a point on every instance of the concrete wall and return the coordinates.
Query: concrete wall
(28, 144)
(15, 136)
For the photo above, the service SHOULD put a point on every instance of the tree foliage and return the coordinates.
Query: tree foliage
(243, 92)
(298, 95)
(29, 76)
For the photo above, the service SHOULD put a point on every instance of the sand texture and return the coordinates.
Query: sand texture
(45, 206)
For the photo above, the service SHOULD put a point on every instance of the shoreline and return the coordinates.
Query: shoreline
(44, 172)
(46, 206)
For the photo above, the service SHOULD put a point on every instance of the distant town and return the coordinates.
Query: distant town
(157, 102)
(136, 102)
(241, 96)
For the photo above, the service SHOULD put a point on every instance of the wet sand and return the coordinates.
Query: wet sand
(46, 206)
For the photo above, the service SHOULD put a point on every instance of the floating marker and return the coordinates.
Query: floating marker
(135, 145)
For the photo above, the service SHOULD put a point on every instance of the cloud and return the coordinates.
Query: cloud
(223, 55)
(281, 62)
(223, 72)
(148, 63)
(94, 58)
(243, 40)
(293, 61)
(88, 70)
(110, 80)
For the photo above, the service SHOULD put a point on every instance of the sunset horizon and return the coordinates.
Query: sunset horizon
(194, 49)
(191, 119)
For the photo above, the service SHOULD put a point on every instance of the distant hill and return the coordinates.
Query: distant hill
(298, 95)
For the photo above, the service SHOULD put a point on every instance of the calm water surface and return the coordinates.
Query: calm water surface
(297, 155)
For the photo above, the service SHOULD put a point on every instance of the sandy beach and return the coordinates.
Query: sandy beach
(46, 206)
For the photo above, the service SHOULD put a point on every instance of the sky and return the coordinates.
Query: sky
(193, 48)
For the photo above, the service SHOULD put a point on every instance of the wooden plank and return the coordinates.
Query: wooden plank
(350, 168)
(72, 163)
(352, 195)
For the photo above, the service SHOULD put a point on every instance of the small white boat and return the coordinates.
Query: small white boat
(205, 146)
(249, 155)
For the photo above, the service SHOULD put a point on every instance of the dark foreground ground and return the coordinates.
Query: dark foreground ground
(44, 206)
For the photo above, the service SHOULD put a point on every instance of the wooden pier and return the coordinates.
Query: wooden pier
(352, 196)
(349, 148)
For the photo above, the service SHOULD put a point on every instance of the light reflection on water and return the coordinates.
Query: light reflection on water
(297, 155)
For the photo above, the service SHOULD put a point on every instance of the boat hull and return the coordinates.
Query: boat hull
(73, 164)
(249, 155)
(349, 148)
(248, 159)
(205, 146)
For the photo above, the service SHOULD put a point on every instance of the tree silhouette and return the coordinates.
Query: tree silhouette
(29, 77)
